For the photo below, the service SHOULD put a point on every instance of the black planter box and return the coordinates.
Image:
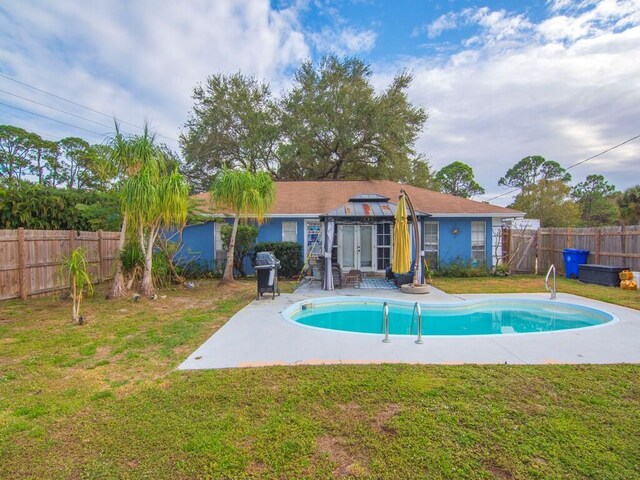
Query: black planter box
(600, 274)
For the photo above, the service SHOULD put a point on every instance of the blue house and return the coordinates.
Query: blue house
(452, 229)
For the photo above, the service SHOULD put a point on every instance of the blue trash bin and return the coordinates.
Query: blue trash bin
(572, 258)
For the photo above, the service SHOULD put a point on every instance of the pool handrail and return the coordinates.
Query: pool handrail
(419, 309)
(385, 322)
(546, 281)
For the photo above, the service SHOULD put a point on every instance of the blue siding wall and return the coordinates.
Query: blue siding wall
(271, 231)
(198, 240)
(198, 244)
(454, 248)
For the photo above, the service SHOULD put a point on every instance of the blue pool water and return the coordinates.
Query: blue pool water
(484, 317)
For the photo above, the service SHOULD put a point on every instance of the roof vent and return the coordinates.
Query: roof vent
(369, 197)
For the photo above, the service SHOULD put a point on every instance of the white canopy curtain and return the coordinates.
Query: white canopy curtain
(329, 226)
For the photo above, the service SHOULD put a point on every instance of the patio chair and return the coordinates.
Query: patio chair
(353, 277)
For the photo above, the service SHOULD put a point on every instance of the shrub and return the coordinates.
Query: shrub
(289, 254)
(132, 260)
(461, 268)
(47, 208)
(245, 240)
(198, 268)
(161, 270)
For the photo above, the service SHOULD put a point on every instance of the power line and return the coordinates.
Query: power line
(79, 104)
(605, 151)
(53, 119)
(575, 164)
(56, 109)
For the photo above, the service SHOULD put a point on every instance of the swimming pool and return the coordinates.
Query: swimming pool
(475, 317)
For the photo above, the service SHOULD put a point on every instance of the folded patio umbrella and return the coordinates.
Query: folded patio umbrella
(401, 248)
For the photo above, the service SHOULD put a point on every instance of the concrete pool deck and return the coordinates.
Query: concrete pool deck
(258, 335)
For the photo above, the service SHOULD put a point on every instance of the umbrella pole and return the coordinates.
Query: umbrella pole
(416, 237)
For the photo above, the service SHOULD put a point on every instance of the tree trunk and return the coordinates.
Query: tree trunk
(74, 299)
(227, 278)
(118, 289)
(147, 289)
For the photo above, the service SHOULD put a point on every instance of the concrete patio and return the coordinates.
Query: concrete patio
(258, 335)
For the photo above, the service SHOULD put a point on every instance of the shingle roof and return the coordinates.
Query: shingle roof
(319, 197)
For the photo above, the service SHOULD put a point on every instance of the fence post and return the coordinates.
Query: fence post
(538, 251)
(22, 264)
(598, 244)
(506, 247)
(72, 241)
(99, 256)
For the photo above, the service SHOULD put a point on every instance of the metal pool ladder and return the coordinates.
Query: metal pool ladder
(552, 268)
(385, 322)
(419, 310)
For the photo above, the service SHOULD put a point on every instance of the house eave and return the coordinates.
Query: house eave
(433, 216)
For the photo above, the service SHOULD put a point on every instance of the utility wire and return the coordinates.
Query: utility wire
(575, 164)
(56, 109)
(79, 104)
(53, 119)
(605, 151)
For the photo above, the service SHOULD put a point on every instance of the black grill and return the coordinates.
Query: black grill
(266, 267)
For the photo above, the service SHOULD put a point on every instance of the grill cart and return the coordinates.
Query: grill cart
(266, 267)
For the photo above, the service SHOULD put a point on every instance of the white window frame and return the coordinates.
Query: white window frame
(388, 248)
(430, 248)
(219, 254)
(319, 247)
(479, 246)
(295, 231)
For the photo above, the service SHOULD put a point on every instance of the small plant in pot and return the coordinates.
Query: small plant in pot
(427, 272)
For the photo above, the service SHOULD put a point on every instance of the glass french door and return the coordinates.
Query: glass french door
(356, 247)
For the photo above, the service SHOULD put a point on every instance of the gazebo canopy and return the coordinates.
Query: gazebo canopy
(366, 208)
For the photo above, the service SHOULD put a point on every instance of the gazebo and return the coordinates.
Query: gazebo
(362, 210)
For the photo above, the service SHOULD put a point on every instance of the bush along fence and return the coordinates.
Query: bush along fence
(534, 251)
(30, 259)
(289, 254)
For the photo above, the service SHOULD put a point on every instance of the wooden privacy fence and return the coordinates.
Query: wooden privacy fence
(617, 246)
(30, 259)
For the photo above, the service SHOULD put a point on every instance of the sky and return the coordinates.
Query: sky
(500, 80)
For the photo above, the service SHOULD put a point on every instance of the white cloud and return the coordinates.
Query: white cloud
(142, 59)
(445, 22)
(516, 90)
(494, 25)
(567, 87)
(343, 41)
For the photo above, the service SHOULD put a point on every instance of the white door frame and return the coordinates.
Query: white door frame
(357, 247)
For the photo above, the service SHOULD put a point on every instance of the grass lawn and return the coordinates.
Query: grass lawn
(103, 400)
(535, 284)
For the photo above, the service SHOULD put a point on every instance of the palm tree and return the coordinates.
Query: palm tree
(629, 203)
(153, 200)
(170, 210)
(247, 195)
(128, 155)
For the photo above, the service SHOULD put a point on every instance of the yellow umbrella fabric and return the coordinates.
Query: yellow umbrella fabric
(401, 254)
